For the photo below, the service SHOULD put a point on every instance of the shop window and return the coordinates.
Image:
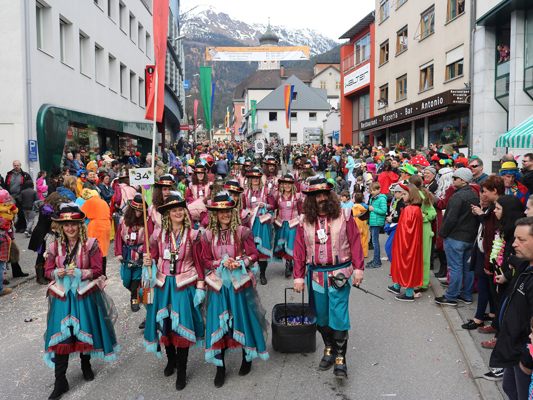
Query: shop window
(383, 100)
(43, 21)
(426, 76)
(427, 22)
(272, 116)
(312, 116)
(528, 54)
(84, 54)
(401, 40)
(384, 10)
(66, 39)
(401, 87)
(294, 116)
(364, 107)
(455, 8)
(419, 133)
(449, 129)
(454, 63)
(362, 49)
(400, 136)
(384, 52)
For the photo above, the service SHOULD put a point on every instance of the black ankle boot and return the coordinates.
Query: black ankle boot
(171, 360)
(61, 384)
(340, 340)
(288, 268)
(181, 357)
(443, 266)
(246, 366)
(86, 368)
(220, 376)
(328, 359)
(262, 272)
(17, 271)
(39, 274)
(134, 301)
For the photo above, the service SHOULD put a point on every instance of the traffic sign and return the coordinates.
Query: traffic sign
(259, 146)
(141, 176)
(32, 150)
(186, 84)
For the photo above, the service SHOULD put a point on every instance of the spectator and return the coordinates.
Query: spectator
(459, 228)
(106, 191)
(27, 198)
(476, 166)
(529, 207)
(511, 351)
(70, 164)
(430, 181)
(510, 174)
(527, 171)
(92, 181)
(13, 184)
(387, 177)
(42, 187)
(115, 169)
(378, 211)
(222, 166)
(68, 189)
(78, 163)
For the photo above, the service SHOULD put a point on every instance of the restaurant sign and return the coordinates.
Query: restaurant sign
(445, 99)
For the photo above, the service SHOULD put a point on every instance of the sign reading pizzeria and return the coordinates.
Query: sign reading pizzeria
(445, 99)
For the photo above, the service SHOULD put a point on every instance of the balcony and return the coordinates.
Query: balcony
(348, 63)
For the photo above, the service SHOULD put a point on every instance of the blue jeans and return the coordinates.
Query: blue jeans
(374, 234)
(2, 268)
(458, 254)
(515, 383)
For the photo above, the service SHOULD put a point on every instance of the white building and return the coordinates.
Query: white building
(328, 77)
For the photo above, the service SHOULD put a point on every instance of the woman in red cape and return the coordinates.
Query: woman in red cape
(407, 250)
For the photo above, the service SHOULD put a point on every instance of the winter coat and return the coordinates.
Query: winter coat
(378, 215)
(458, 222)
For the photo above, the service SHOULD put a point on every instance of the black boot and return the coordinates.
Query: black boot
(17, 271)
(171, 360)
(134, 300)
(142, 324)
(61, 383)
(39, 274)
(246, 366)
(181, 379)
(340, 340)
(262, 272)
(220, 376)
(104, 266)
(88, 373)
(288, 268)
(443, 267)
(328, 359)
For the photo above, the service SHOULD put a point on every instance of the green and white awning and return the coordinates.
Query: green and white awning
(520, 137)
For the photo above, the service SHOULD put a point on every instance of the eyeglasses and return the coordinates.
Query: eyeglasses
(474, 166)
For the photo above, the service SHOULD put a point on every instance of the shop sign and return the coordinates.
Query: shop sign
(357, 79)
(445, 99)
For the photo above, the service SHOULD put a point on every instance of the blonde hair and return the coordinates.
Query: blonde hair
(69, 182)
(82, 233)
(249, 182)
(214, 226)
(166, 223)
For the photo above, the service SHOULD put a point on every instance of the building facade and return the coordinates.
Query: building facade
(328, 77)
(422, 85)
(357, 79)
(502, 86)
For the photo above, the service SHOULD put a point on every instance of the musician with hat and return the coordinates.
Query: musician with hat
(327, 252)
(174, 320)
(233, 317)
(79, 315)
(236, 191)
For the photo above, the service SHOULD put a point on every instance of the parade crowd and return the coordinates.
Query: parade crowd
(193, 246)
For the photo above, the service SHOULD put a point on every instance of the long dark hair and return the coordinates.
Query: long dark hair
(130, 219)
(310, 207)
(195, 180)
(157, 196)
(512, 210)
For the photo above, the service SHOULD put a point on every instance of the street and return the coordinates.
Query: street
(396, 350)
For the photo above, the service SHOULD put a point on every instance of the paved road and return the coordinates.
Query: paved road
(396, 351)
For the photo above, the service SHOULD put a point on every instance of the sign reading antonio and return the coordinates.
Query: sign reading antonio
(443, 100)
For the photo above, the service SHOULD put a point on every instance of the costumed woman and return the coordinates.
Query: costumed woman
(236, 173)
(129, 240)
(174, 319)
(234, 316)
(80, 316)
(270, 178)
(162, 188)
(197, 194)
(235, 190)
(288, 209)
(407, 265)
(260, 204)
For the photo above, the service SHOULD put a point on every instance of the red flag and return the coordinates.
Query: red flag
(195, 112)
(160, 15)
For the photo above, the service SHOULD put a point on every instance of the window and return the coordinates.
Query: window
(454, 63)
(294, 116)
(272, 116)
(243, 110)
(133, 28)
(123, 80)
(426, 76)
(362, 49)
(322, 84)
(113, 73)
(142, 93)
(400, 3)
(312, 116)
(133, 87)
(85, 64)
(384, 10)
(43, 22)
(383, 96)
(112, 9)
(141, 38)
(401, 88)
(384, 52)
(401, 40)
(337, 85)
(294, 96)
(427, 22)
(123, 16)
(364, 107)
(99, 63)
(455, 8)
(148, 45)
(66, 39)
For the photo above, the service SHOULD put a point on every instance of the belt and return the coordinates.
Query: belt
(328, 267)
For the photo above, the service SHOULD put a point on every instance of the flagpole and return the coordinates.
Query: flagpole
(154, 128)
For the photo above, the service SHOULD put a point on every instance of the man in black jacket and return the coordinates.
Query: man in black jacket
(511, 352)
(13, 184)
(459, 230)
(527, 170)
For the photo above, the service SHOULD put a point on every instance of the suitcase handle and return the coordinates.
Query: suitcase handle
(303, 307)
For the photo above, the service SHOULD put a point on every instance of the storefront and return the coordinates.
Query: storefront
(440, 119)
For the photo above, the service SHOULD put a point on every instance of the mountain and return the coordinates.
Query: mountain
(204, 26)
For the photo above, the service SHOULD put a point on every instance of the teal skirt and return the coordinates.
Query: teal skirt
(262, 237)
(129, 273)
(284, 241)
(234, 320)
(80, 325)
(172, 319)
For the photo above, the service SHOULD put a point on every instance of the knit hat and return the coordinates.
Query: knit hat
(463, 173)
(431, 169)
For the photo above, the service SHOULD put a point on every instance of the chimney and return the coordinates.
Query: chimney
(282, 71)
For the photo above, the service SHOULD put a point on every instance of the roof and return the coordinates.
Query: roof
(364, 23)
(327, 68)
(270, 79)
(308, 98)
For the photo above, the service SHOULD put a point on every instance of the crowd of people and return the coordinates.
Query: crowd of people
(194, 245)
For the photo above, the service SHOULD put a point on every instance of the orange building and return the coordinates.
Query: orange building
(357, 80)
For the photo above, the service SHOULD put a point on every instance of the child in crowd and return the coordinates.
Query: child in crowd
(361, 214)
(345, 200)
(377, 206)
(396, 206)
(5, 244)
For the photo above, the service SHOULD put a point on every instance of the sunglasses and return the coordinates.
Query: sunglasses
(474, 166)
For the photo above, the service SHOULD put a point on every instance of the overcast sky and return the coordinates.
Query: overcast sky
(331, 18)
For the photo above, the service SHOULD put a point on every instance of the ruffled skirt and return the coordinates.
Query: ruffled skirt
(284, 241)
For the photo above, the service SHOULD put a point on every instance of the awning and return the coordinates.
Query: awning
(520, 137)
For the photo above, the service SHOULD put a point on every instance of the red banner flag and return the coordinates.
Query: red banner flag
(289, 89)
(160, 14)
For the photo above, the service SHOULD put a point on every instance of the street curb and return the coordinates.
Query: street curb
(488, 390)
